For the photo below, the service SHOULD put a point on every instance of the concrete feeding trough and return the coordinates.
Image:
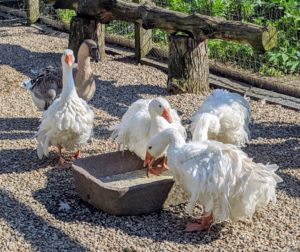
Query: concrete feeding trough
(116, 183)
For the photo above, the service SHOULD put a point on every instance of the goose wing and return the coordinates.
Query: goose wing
(132, 131)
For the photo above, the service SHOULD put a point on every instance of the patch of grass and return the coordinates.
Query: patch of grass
(65, 15)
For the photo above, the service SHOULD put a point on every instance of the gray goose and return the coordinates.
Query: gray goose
(47, 86)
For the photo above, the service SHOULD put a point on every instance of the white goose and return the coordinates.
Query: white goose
(143, 119)
(68, 122)
(223, 117)
(47, 86)
(221, 177)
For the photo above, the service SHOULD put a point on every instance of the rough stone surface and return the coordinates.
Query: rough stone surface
(32, 192)
(91, 176)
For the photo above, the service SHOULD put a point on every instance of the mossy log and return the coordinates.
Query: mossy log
(200, 27)
(188, 68)
(33, 11)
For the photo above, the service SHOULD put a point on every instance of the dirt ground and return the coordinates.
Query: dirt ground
(32, 190)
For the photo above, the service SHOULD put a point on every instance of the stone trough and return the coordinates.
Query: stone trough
(116, 183)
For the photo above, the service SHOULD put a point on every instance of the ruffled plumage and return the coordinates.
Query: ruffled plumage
(224, 117)
(68, 122)
(137, 126)
(221, 177)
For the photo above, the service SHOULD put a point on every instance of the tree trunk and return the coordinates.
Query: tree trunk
(81, 29)
(33, 11)
(188, 69)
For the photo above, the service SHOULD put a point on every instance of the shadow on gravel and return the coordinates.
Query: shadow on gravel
(8, 125)
(290, 185)
(115, 100)
(36, 231)
(19, 123)
(103, 129)
(285, 154)
(274, 130)
(165, 225)
(23, 160)
(17, 57)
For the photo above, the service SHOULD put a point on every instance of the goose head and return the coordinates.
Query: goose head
(157, 145)
(89, 48)
(93, 49)
(160, 106)
(27, 84)
(68, 59)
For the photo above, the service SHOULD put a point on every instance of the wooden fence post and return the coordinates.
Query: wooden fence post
(143, 39)
(33, 11)
(83, 28)
(188, 68)
(101, 40)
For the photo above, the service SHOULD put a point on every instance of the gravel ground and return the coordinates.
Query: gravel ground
(39, 209)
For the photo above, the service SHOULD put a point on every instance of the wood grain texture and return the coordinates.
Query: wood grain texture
(200, 27)
(188, 68)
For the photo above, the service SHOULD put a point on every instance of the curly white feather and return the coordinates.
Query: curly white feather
(137, 126)
(68, 122)
(221, 177)
(229, 119)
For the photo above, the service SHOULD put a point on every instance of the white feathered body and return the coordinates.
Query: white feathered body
(68, 122)
(223, 179)
(224, 117)
(137, 127)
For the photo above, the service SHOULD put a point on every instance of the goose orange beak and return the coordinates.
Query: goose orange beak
(148, 160)
(69, 59)
(166, 114)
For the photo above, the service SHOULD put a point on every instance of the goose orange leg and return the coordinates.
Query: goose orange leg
(159, 168)
(77, 154)
(203, 223)
(62, 162)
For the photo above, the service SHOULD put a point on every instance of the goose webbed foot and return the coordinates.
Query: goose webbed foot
(159, 168)
(203, 223)
(62, 162)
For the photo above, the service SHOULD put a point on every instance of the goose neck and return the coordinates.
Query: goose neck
(83, 58)
(201, 130)
(175, 139)
(68, 83)
(84, 64)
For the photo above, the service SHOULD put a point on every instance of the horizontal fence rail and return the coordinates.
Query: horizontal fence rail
(283, 15)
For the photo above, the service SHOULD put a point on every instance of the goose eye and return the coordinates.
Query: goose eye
(150, 147)
(159, 105)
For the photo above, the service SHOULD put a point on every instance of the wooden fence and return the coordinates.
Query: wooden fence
(141, 44)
